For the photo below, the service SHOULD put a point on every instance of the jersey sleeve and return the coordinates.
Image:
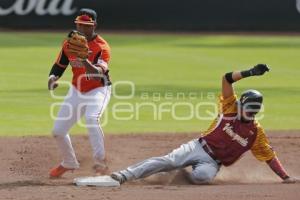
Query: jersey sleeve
(105, 53)
(225, 106)
(228, 105)
(62, 59)
(103, 57)
(261, 148)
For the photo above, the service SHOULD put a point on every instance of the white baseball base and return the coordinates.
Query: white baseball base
(101, 181)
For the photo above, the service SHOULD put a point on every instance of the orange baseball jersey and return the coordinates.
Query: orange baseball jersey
(100, 55)
(229, 138)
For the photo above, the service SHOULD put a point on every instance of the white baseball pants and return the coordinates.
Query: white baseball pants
(91, 105)
(204, 167)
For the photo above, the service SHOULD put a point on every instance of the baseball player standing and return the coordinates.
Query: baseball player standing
(88, 54)
(234, 132)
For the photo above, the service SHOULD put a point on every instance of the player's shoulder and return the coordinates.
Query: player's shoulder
(101, 42)
(257, 124)
(259, 128)
(228, 105)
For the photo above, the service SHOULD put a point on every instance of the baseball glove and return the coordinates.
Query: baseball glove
(77, 45)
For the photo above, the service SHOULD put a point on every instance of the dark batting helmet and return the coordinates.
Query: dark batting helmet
(251, 100)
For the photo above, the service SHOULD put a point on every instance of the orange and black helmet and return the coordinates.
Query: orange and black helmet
(86, 16)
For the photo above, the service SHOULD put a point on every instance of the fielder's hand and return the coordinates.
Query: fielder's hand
(52, 84)
(259, 69)
(291, 180)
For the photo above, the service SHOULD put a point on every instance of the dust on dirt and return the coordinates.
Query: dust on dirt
(26, 161)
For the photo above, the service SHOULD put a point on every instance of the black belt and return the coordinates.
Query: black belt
(208, 150)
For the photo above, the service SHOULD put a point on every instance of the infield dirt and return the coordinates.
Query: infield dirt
(26, 161)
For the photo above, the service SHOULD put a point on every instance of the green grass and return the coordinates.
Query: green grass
(158, 65)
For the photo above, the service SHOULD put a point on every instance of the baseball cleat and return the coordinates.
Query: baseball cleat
(101, 168)
(121, 178)
(58, 171)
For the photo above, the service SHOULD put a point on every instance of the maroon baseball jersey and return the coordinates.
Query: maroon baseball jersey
(229, 138)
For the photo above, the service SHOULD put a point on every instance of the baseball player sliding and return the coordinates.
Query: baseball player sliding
(234, 132)
(88, 54)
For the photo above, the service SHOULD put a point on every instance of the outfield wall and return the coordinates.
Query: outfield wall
(210, 15)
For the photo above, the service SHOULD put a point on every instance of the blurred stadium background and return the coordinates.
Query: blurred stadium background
(163, 47)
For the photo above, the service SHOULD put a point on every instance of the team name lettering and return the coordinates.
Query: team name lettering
(228, 129)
